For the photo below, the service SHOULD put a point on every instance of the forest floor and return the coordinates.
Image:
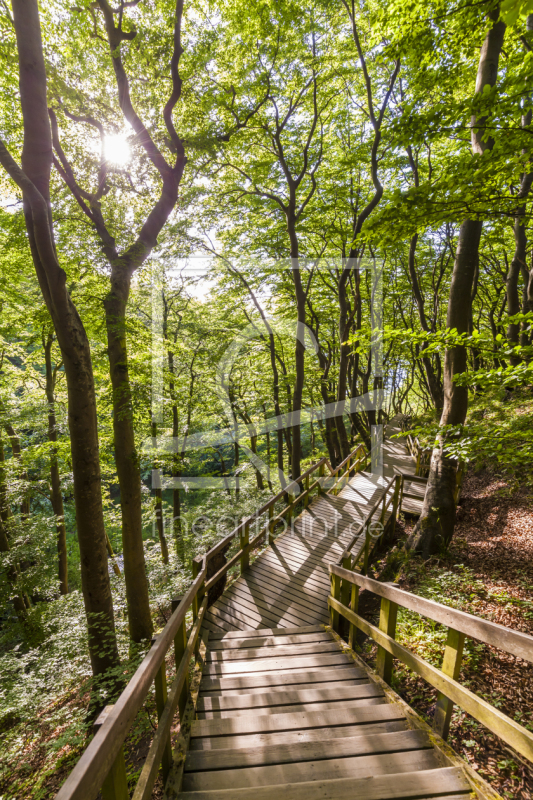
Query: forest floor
(487, 571)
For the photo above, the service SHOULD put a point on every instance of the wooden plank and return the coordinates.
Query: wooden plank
(305, 540)
(354, 767)
(290, 557)
(205, 760)
(292, 568)
(293, 560)
(246, 682)
(300, 721)
(346, 681)
(503, 726)
(514, 642)
(274, 664)
(285, 738)
(267, 599)
(328, 704)
(292, 650)
(267, 632)
(299, 585)
(247, 642)
(246, 613)
(250, 600)
(315, 562)
(260, 576)
(303, 694)
(278, 571)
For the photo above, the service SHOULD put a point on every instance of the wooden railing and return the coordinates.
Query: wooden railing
(460, 625)
(423, 459)
(102, 766)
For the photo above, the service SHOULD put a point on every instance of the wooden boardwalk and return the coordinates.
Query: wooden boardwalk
(288, 584)
(283, 711)
(286, 714)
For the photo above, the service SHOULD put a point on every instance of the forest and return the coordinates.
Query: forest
(238, 240)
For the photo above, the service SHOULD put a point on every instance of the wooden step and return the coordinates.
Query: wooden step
(285, 738)
(276, 664)
(248, 641)
(447, 783)
(292, 752)
(294, 650)
(262, 632)
(295, 721)
(270, 681)
(237, 704)
(354, 767)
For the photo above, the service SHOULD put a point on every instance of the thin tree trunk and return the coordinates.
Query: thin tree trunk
(437, 519)
(434, 385)
(13, 574)
(56, 496)
(160, 521)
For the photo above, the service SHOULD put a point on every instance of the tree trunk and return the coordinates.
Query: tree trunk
(299, 351)
(34, 180)
(159, 518)
(434, 385)
(56, 496)
(12, 571)
(127, 458)
(437, 519)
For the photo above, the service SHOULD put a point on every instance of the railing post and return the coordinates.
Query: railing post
(366, 550)
(290, 498)
(354, 604)
(345, 587)
(336, 594)
(180, 645)
(387, 624)
(451, 666)
(270, 526)
(306, 501)
(395, 503)
(197, 566)
(245, 539)
(321, 471)
(160, 683)
(115, 785)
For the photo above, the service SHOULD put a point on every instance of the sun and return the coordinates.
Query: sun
(117, 150)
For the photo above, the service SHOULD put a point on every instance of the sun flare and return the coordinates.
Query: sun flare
(117, 150)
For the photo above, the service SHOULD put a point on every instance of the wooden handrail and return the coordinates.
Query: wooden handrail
(460, 625)
(87, 777)
(513, 642)
(367, 519)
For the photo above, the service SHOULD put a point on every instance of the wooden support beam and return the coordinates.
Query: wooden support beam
(244, 541)
(180, 645)
(387, 623)
(115, 785)
(161, 694)
(451, 665)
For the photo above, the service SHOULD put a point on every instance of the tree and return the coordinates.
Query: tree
(33, 179)
(437, 518)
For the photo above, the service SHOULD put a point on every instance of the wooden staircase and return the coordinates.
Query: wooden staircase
(278, 705)
(286, 714)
